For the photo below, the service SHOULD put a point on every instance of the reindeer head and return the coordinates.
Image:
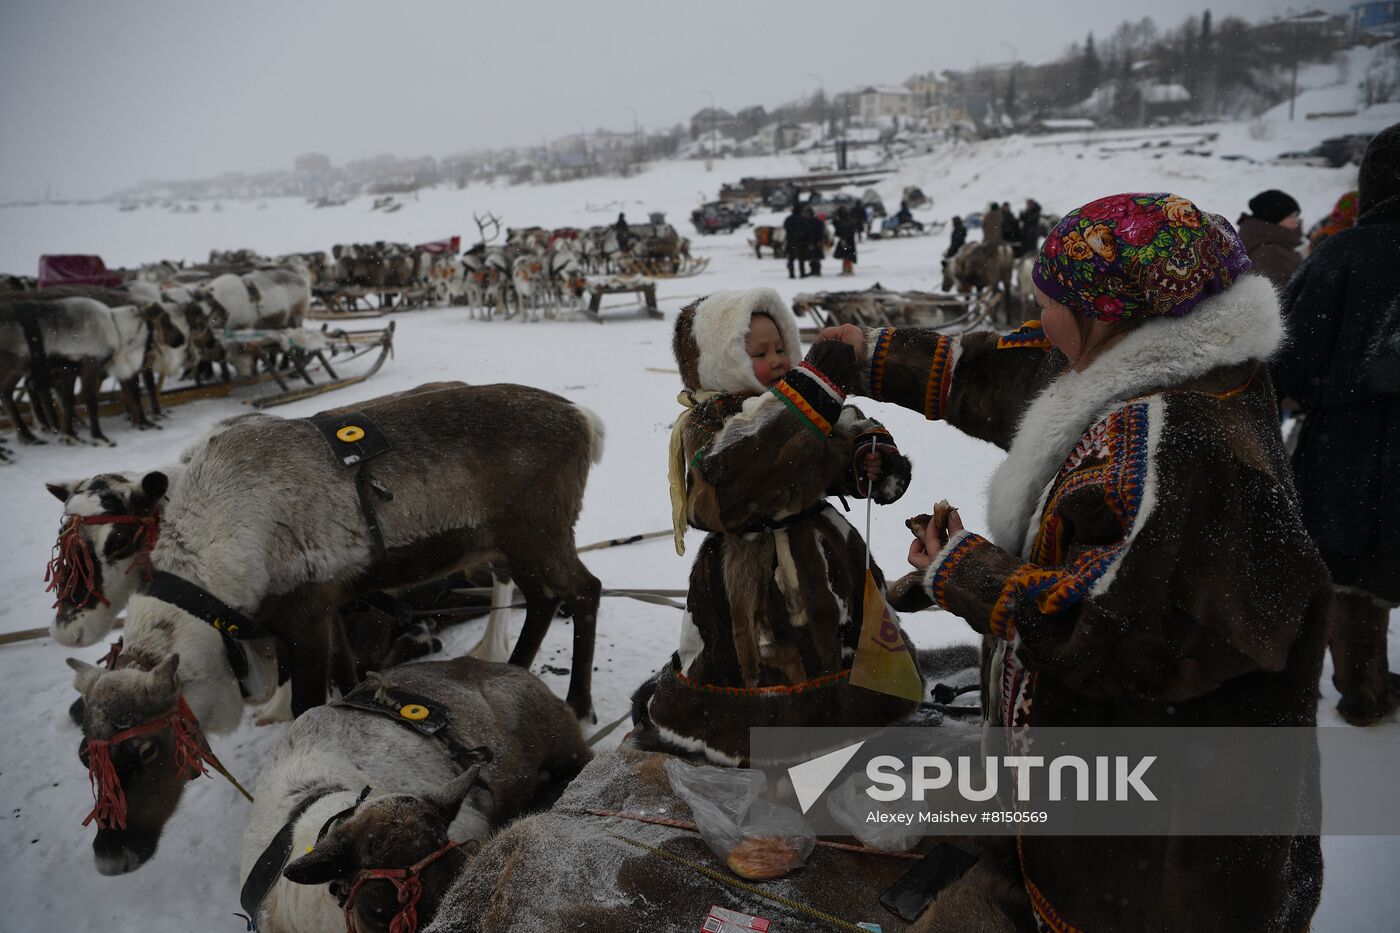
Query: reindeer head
(166, 331)
(403, 834)
(141, 747)
(99, 562)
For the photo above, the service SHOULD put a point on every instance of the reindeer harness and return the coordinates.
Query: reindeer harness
(423, 716)
(408, 884)
(109, 798)
(192, 752)
(72, 561)
(354, 440)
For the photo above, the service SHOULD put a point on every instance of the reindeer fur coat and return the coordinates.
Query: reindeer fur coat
(776, 589)
(1147, 566)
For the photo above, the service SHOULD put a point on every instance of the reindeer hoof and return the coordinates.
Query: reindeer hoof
(31, 440)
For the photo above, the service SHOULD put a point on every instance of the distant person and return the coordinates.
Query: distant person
(1010, 226)
(1030, 228)
(814, 240)
(1272, 233)
(956, 241)
(992, 224)
(905, 216)
(1343, 217)
(793, 232)
(624, 232)
(1341, 366)
(847, 227)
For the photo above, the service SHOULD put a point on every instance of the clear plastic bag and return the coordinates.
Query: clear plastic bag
(851, 806)
(756, 838)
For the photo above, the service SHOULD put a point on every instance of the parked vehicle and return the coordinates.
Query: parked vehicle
(719, 217)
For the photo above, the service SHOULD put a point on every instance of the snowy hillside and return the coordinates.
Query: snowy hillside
(49, 882)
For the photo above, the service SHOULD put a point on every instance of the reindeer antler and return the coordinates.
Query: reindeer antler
(492, 221)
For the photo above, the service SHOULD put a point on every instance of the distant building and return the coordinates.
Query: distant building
(887, 100)
(1165, 100)
(929, 90)
(313, 163)
(787, 135)
(711, 119)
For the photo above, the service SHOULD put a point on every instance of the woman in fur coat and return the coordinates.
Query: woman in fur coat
(1146, 563)
(774, 608)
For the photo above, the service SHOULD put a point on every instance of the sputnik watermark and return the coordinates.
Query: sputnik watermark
(1145, 781)
(1109, 778)
(1112, 780)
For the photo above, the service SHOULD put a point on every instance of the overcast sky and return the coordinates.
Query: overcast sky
(98, 94)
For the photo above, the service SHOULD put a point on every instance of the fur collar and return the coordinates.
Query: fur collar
(719, 326)
(1240, 324)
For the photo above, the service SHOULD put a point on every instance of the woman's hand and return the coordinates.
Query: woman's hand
(922, 550)
(871, 463)
(848, 334)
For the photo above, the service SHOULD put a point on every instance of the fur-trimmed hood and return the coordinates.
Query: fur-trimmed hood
(1238, 325)
(710, 333)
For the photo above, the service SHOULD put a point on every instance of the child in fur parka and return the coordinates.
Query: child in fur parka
(773, 612)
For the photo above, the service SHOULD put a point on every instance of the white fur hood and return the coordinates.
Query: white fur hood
(1240, 324)
(719, 326)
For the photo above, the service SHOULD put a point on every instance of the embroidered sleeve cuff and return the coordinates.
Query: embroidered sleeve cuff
(813, 395)
(940, 377)
(877, 351)
(967, 577)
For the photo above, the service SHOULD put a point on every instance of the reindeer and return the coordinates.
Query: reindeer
(82, 338)
(165, 338)
(421, 800)
(979, 266)
(278, 551)
(566, 281)
(529, 279)
(267, 298)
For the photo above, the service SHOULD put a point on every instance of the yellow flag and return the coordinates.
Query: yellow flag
(883, 662)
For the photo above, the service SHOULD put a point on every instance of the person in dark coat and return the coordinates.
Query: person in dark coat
(1342, 367)
(992, 224)
(1272, 232)
(624, 232)
(813, 240)
(1010, 226)
(1145, 564)
(793, 232)
(1030, 228)
(956, 241)
(846, 226)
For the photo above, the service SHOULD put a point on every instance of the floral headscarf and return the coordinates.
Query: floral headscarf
(1343, 217)
(1139, 255)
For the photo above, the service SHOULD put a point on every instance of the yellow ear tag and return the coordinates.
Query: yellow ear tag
(308, 849)
(350, 433)
(414, 712)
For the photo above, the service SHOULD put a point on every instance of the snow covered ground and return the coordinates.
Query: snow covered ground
(48, 880)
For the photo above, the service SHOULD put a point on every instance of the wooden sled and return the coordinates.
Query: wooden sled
(665, 268)
(597, 290)
(876, 307)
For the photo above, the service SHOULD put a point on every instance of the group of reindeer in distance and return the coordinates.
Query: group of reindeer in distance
(162, 323)
(538, 271)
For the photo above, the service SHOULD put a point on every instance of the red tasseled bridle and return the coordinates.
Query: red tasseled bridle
(72, 561)
(405, 881)
(109, 799)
